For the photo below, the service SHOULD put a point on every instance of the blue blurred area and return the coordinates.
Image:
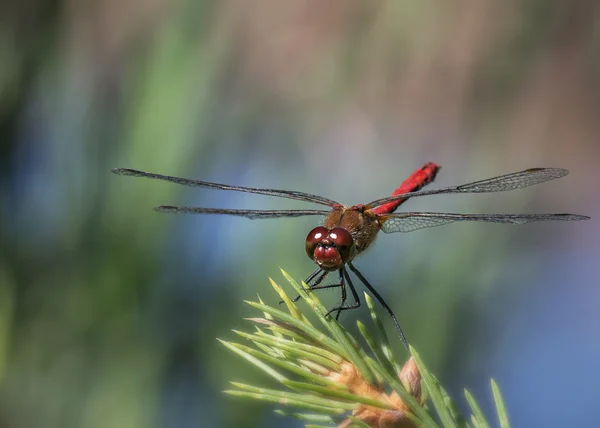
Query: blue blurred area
(109, 312)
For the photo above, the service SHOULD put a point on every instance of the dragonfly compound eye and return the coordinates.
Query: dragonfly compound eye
(342, 240)
(313, 239)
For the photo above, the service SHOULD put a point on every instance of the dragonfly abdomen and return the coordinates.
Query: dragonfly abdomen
(421, 177)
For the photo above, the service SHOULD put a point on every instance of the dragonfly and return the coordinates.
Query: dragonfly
(347, 231)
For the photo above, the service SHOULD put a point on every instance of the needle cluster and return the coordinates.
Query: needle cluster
(327, 379)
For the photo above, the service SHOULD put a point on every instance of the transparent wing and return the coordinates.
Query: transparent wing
(503, 183)
(408, 222)
(288, 194)
(251, 214)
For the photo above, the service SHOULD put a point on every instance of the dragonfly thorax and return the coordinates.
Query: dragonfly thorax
(360, 224)
(330, 248)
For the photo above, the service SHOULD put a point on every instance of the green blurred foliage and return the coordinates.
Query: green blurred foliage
(109, 312)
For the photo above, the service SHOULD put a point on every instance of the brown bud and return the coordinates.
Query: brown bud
(395, 419)
(350, 376)
(411, 378)
(377, 417)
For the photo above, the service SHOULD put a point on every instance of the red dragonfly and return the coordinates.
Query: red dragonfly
(349, 230)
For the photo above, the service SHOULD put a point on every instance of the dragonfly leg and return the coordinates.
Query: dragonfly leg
(312, 277)
(380, 299)
(317, 285)
(344, 294)
(344, 275)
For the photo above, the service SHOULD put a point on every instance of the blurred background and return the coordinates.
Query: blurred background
(109, 312)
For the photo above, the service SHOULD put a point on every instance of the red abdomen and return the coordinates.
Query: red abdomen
(425, 175)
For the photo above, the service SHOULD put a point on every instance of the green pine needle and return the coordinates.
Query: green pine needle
(325, 378)
(477, 413)
(500, 406)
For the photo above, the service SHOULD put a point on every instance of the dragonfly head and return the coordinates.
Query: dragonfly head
(330, 248)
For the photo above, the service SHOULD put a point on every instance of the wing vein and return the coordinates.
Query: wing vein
(503, 183)
(288, 194)
(409, 222)
(251, 214)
